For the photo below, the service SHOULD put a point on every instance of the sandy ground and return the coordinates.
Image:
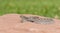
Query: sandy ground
(11, 23)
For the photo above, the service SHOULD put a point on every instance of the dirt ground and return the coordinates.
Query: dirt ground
(11, 23)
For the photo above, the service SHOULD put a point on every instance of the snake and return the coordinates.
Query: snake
(35, 19)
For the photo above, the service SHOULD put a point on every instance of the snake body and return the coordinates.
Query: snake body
(36, 19)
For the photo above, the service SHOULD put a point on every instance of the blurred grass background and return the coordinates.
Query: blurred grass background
(48, 8)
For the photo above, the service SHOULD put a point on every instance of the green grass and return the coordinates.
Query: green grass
(48, 8)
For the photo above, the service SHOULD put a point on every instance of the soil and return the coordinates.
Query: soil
(11, 23)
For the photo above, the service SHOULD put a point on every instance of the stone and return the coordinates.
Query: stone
(11, 23)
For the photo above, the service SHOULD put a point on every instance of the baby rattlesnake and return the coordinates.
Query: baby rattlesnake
(36, 19)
